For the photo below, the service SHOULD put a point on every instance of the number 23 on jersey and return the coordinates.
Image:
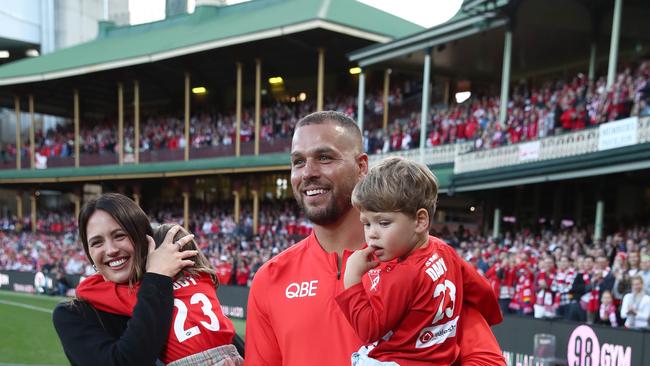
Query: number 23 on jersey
(210, 321)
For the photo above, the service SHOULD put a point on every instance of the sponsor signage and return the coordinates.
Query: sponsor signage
(575, 344)
(529, 151)
(233, 300)
(617, 134)
(585, 349)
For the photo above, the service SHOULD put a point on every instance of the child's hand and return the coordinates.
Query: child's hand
(358, 264)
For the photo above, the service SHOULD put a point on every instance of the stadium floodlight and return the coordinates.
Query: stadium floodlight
(355, 70)
(276, 80)
(4, 54)
(462, 96)
(199, 90)
(32, 53)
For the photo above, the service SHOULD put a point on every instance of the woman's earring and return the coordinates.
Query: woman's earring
(95, 267)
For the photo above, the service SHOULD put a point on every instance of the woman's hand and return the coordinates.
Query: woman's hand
(168, 259)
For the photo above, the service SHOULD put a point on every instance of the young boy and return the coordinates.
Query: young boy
(404, 292)
(200, 334)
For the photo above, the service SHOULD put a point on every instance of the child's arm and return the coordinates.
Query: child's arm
(373, 306)
(108, 296)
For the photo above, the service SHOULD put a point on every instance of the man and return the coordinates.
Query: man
(293, 318)
(562, 284)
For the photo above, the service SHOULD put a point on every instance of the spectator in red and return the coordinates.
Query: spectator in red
(524, 298)
(243, 273)
(224, 270)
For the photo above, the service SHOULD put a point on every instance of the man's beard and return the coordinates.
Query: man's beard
(328, 215)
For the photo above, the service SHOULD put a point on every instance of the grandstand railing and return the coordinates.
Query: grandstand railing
(553, 147)
(275, 145)
(443, 154)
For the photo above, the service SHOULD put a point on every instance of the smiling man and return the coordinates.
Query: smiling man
(293, 318)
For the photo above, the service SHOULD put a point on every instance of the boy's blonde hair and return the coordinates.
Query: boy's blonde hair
(397, 185)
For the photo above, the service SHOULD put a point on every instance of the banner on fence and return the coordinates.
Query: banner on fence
(617, 134)
(529, 151)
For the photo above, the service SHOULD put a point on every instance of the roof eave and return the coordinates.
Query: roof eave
(224, 42)
(429, 38)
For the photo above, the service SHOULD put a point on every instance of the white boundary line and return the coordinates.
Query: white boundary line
(30, 307)
(21, 364)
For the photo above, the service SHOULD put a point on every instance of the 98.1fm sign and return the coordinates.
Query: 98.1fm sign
(585, 349)
(574, 344)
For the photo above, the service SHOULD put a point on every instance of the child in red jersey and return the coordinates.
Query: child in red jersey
(200, 334)
(404, 292)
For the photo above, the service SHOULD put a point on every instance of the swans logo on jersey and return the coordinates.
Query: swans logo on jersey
(302, 289)
(374, 278)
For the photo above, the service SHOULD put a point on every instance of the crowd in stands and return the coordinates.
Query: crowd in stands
(545, 274)
(564, 274)
(167, 132)
(232, 248)
(533, 112)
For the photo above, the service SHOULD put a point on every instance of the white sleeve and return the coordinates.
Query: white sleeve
(625, 306)
(643, 313)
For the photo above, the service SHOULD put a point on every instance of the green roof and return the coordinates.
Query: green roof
(209, 27)
(231, 164)
(464, 23)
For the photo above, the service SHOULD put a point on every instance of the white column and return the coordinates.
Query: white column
(505, 76)
(321, 80)
(496, 227)
(598, 226)
(361, 99)
(424, 113)
(613, 45)
(592, 62)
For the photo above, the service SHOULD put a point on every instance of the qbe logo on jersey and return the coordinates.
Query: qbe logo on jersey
(301, 289)
(585, 349)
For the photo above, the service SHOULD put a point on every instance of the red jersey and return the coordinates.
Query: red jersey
(412, 308)
(197, 323)
(293, 316)
(224, 272)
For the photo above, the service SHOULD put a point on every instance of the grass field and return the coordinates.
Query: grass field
(27, 336)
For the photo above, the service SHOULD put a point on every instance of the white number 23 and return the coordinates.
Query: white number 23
(179, 322)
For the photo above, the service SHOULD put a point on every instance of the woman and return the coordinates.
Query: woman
(636, 306)
(117, 239)
(201, 334)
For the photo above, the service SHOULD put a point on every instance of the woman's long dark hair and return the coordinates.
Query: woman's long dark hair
(132, 220)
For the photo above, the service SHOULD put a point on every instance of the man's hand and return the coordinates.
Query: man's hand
(358, 264)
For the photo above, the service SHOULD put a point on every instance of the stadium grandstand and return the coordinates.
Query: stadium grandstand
(534, 115)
